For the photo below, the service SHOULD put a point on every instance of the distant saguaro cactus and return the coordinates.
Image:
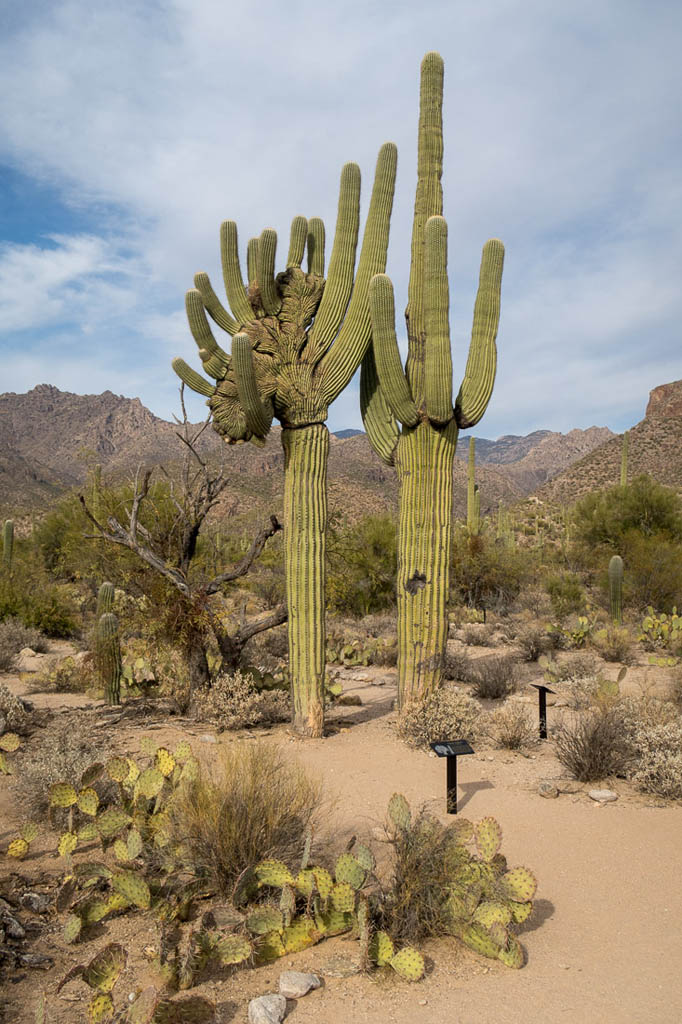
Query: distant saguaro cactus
(616, 588)
(109, 657)
(473, 495)
(8, 543)
(296, 342)
(420, 398)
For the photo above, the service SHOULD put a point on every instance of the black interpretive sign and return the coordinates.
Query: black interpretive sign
(542, 707)
(451, 749)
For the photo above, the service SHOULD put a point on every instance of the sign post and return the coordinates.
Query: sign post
(542, 707)
(451, 749)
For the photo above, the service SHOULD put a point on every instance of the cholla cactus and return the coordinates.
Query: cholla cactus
(297, 339)
(420, 398)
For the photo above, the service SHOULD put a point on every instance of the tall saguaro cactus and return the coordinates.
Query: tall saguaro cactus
(420, 398)
(297, 339)
(616, 589)
(473, 494)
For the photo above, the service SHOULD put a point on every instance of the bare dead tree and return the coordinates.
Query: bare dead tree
(198, 492)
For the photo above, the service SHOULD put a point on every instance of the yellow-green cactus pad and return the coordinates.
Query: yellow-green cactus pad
(62, 794)
(105, 967)
(133, 888)
(93, 911)
(270, 947)
(520, 912)
(9, 742)
(381, 949)
(88, 801)
(164, 761)
(101, 1008)
(488, 835)
(72, 928)
(324, 882)
(5, 766)
(148, 746)
(273, 872)
(67, 844)
(232, 949)
(408, 963)
(150, 783)
(182, 752)
(300, 935)
(87, 832)
(117, 768)
(29, 831)
(343, 898)
(490, 911)
(134, 844)
(520, 884)
(17, 848)
(364, 857)
(512, 953)
(121, 850)
(349, 870)
(264, 920)
(111, 822)
(305, 882)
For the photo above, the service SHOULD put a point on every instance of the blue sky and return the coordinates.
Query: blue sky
(130, 131)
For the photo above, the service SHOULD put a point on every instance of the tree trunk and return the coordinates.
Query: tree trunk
(306, 451)
(424, 462)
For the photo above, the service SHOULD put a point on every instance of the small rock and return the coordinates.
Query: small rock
(360, 677)
(341, 967)
(37, 960)
(548, 790)
(38, 902)
(27, 652)
(296, 984)
(207, 738)
(11, 926)
(349, 700)
(602, 796)
(270, 1009)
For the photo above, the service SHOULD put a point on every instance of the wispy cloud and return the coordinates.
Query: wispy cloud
(156, 121)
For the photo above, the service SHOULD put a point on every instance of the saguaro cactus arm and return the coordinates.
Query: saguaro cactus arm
(389, 367)
(438, 358)
(258, 414)
(377, 417)
(232, 275)
(479, 375)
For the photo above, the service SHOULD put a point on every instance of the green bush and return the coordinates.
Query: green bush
(603, 518)
(487, 574)
(653, 571)
(361, 569)
(566, 594)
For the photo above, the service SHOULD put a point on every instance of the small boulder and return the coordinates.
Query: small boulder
(548, 789)
(296, 984)
(602, 796)
(270, 1009)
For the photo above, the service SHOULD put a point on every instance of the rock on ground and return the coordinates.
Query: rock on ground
(270, 1009)
(295, 984)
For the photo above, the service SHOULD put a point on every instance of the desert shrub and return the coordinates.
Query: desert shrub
(362, 566)
(659, 764)
(14, 636)
(37, 603)
(533, 641)
(233, 702)
(603, 518)
(59, 754)
(457, 665)
(512, 727)
(67, 676)
(476, 635)
(251, 804)
(14, 710)
(566, 594)
(614, 644)
(575, 666)
(444, 715)
(594, 745)
(653, 571)
(494, 678)
(486, 575)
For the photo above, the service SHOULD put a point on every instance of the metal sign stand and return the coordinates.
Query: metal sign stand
(451, 750)
(542, 707)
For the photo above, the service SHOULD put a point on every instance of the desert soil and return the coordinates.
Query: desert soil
(604, 943)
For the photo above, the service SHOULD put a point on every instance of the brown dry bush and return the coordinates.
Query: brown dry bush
(458, 666)
(614, 644)
(576, 666)
(445, 714)
(477, 635)
(511, 727)
(15, 711)
(594, 745)
(233, 702)
(534, 641)
(494, 678)
(14, 636)
(251, 804)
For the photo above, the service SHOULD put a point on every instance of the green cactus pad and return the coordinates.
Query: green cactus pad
(62, 794)
(269, 947)
(89, 872)
(18, 848)
(29, 831)
(5, 766)
(324, 882)
(101, 1008)
(111, 822)
(480, 940)
(333, 922)
(264, 920)
(67, 844)
(399, 811)
(189, 1010)
(72, 928)
(364, 857)
(133, 772)
(488, 835)
(232, 949)
(118, 769)
(408, 963)
(134, 844)
(9, 742)
(491, 911)
(190, 770)
(348, 870)
(143, 1009)
(273, 872)
(299, 935)
(305, 882)
(498, 933)
(88, 801)
(93, 911)
(182, 752)
(520, 884)
(381, 949)
(133, 888)
(343, 898)
(150, 783)
(164, 761)
(520, 912)
(121, 850)
(512, 953)
(116, 903)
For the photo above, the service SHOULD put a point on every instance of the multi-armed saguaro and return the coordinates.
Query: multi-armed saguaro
(420, 398)
(296, 342)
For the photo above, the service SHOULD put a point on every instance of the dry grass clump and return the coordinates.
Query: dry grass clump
(575, 666)
(446, 714)
(251, 804)
(614, 644)
(594, 745)
(495, 678)
(233, 702)
(58, 754)
(477, 635)
(511, 727)
(14, 636)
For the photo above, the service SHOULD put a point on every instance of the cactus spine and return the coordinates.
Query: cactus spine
(624, 459)
(421, 400)
(297, 339)
(8, 543)
(616, 588)
(109, 657)
(473, 496)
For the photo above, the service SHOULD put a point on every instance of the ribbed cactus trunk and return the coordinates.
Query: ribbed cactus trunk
(109, 657)
(424, 462)
(616, 589)
(306, 451)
